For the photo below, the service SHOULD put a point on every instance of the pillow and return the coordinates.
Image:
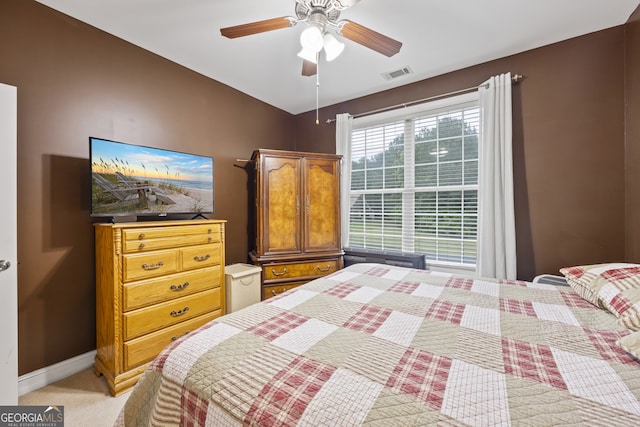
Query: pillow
(631, 344)
(620, 293)
(614, 286)
(583, 279)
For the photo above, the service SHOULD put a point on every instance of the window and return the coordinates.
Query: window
(414, 181)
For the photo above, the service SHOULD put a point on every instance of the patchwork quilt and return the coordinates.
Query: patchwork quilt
(379, 345)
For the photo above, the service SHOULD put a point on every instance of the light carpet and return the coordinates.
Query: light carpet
(85, 397)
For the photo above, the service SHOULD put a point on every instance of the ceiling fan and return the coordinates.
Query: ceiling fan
(318, 15)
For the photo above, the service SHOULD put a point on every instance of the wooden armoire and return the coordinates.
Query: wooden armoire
(297, 217)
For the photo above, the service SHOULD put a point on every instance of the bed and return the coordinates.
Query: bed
(380, 345)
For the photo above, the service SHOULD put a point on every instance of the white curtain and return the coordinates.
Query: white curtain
(344, 123)
(496, 217)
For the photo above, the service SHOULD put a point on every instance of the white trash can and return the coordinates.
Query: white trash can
(242, 285)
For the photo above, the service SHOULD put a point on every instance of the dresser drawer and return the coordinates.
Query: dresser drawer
(152, 291)
(146, 348)
(200, 256)
(282, 271)
(146, 239)
(133, 246)
(141, 266)
(149, 319)
(150, 233)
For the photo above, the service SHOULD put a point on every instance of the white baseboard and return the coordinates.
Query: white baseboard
(61, 370)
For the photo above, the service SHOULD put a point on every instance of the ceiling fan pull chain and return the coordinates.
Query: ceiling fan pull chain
(317, 85)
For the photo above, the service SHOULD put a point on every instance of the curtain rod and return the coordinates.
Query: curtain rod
(515, 79)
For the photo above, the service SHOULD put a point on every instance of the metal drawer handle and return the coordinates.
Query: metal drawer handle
(153, 266)
(176, 338)
(274, 293)
(141, 246)
(141, 236)
(275, 273)
(201, 258)
(324, 270)
(179, 312)
(179, 287)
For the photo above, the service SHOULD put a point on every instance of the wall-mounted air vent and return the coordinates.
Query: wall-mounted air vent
(397, 73)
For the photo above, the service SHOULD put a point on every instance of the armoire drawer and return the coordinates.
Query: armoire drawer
(145, 348)
(282, 271)
(151, 291)
(275, 290)
(200, 256)
(149, 319)
(142, 266)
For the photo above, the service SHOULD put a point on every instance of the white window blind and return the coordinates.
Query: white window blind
(414, 182)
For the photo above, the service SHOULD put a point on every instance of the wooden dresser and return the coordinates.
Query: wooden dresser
(297, 217)
(155, 281)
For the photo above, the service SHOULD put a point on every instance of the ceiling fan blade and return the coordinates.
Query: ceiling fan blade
(309, 68)
(257, 27)
(369, 38)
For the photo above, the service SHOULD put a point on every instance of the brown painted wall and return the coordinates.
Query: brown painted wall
(632, 142)
(75, 81)
(568, 141)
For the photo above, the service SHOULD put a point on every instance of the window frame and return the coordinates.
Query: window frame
(408, 190)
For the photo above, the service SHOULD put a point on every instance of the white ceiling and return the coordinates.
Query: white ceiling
(438, 36)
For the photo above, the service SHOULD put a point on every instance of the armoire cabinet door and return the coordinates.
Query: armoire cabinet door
(281, 205)
(322, 205)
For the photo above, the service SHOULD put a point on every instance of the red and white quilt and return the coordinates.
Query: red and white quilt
(379, 345)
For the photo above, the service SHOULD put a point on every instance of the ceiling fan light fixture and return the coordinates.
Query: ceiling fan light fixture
(308, 55)
(332, 47)
(311, 39)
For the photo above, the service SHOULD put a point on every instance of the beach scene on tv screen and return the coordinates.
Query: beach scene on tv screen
(135, 180)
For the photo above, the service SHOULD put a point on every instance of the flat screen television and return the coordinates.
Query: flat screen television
(134, 180)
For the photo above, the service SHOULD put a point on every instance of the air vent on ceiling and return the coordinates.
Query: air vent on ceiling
(397, 73)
